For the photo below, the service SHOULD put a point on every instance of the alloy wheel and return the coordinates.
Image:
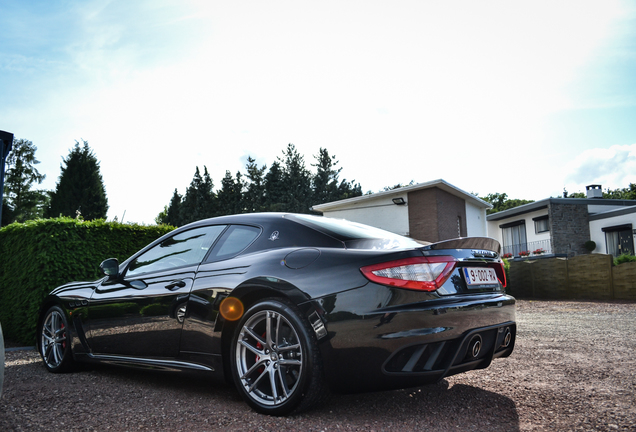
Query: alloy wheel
(53, 339)
(269, 358)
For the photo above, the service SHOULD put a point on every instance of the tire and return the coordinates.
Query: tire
(54, 342)
(275, 361)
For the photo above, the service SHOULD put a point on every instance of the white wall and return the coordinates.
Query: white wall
(531, 236)
(476, 225)
(380, 213)
(596, 229)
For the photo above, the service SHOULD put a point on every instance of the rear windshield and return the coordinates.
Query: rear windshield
(356, 235)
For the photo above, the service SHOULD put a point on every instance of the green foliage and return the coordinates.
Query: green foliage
(80, 187)
(297, 196)
(199, 202)
(325, 183)
(628, 193)
(21, 202)
(590, 245)
(506, 263)
(288, 186)
(40, 255)
(625, 258)
(501, 202)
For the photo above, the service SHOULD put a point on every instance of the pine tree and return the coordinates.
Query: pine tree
(80, 188)
(199, 201)
(274, 189)
(230, 196)
(297, 181)
(21, 202)
(173, 212)
(254, 196)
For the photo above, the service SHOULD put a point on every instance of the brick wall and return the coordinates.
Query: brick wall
(569, 228)
(434, 215)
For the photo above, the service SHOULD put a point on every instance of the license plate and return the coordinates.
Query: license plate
(476, 276)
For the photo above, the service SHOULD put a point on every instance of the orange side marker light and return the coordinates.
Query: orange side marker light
(231, 309)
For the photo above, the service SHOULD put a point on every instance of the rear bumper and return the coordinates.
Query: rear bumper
(374, 345)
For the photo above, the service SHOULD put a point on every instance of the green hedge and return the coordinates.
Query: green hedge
(39, 255)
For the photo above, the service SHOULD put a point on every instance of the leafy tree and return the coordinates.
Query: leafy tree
(501, 202)
(21, 202)
(80, 188)
(399, 185)
(628, 193)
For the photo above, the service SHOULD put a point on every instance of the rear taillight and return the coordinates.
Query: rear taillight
(418, 273)
(501, 274)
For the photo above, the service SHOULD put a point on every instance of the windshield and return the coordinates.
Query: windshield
(356, 235)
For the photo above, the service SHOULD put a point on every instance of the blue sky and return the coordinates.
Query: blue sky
(524, 98)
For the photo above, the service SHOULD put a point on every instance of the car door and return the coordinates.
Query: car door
(141, 313)
(221, 272)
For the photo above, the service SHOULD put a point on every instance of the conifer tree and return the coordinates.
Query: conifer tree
(297, 181)
(199, 200)
(230, 196)
(274, 189)
(173, 213)
(21, 202)
(80, 188)
(254, 196)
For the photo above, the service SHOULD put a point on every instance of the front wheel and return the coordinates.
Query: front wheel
(54, 343)
(275, 360)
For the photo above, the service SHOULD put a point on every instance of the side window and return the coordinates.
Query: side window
(186, 248)
(233, 242)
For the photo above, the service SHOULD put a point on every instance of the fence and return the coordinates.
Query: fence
(591, 277)
(515, 249)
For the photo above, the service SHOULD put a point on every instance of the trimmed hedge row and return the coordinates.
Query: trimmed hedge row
(39, 255)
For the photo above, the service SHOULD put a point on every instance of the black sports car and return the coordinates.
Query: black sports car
(287, 306)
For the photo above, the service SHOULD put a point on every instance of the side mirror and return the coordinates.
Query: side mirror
(110, 268)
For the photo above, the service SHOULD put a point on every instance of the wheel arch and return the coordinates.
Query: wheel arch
(250, 293)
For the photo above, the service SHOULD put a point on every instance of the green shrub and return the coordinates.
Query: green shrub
(624, 259)
(39, 255)
(507, 271)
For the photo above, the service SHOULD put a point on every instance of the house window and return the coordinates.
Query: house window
(619, 240)
(514, 237)
(541, 224)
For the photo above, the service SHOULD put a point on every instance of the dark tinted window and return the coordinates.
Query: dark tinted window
(234, 241)
(186, 248)
(356, 235)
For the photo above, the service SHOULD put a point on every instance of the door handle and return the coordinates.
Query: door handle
(175, 284)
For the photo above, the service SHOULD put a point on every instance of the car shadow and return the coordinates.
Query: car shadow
(439, 407)
(127, 393)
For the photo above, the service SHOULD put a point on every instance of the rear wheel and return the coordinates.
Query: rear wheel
(275, 360)
(54, 343)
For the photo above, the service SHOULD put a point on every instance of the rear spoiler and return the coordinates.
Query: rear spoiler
(480, 243)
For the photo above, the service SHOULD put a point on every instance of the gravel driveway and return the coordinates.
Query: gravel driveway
(574, 368)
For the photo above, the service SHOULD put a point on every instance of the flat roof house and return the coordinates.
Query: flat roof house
(431, 211)
(562, 226)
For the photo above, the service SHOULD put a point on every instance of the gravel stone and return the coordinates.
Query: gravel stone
(573, 368)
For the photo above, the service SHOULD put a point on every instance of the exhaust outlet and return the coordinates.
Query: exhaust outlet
(474, 347)
(507, 338)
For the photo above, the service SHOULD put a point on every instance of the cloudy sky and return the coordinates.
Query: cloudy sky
(524, 97)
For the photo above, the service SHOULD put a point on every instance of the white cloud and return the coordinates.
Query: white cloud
(613, 168)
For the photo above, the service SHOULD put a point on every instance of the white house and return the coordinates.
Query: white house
(431, 211)
(564, 226)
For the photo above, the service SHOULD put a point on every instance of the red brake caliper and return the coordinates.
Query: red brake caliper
(260, 347)
(63, 343)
